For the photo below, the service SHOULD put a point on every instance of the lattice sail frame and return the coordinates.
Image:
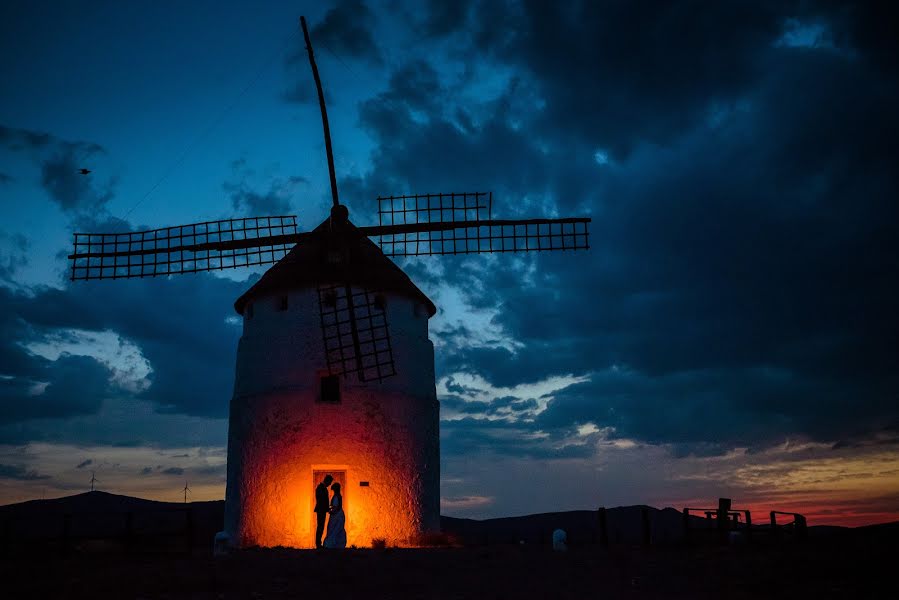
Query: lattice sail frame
(460, 207)
(462, 223)
(207, 246)
(532, 235)
(355, 332)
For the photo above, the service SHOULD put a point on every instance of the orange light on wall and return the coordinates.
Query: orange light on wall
(383, 451)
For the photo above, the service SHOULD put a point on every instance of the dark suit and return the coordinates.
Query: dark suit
(322, 504)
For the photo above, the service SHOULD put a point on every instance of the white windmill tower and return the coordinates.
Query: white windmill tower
(324, 383)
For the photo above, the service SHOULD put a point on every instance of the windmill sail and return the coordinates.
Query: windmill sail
(482, 237)
(355, 332)
(464, 207)
(207, 246)
(462, 223)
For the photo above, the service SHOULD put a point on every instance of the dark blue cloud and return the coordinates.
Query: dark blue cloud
(60, 163)
(475, 436)
(346, 30)
(506, 405)
(75, 385)
(247, 201)
(14, 256)
(25, 140)
(443, 18)
(187, 341)
(32, 386)
(744, 266)
(61, 177)
(20, 472)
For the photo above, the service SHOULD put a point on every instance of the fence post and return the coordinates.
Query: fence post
(722, 518)
(801, 527)
(603, 526)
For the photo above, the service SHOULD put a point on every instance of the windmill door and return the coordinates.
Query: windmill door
(339, 477)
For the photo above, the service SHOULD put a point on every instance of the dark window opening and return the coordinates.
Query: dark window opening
(282, 303)
(380, 302)
(330, 389)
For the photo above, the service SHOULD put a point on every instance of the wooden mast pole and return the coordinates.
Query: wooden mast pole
(321, 103)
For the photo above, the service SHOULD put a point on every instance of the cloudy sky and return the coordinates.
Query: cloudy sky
(732, 331)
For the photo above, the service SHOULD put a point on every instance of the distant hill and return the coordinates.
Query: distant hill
(624, 523)
(104, 515)
(91, 502)
(101, 515)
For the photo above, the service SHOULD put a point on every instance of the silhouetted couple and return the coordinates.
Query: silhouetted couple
(336, 536)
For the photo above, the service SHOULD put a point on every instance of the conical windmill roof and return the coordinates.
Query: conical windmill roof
(348, 256)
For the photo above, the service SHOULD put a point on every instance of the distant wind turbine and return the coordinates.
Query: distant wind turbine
(93, 480)
(186, 491)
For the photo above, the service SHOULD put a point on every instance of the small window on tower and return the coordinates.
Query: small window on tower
(282, 303)
(249, 310)
(329, 389)
(380, 302)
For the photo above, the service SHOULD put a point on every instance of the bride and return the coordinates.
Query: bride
(336, 536)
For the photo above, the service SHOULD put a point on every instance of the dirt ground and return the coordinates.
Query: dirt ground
(791, 571)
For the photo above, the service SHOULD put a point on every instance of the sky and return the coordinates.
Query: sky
(731, 332)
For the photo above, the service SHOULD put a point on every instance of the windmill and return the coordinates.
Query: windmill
(319, 360)
(93, 481)
(409, 225)
(186, 490)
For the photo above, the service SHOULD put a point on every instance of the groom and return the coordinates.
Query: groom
(322, 503)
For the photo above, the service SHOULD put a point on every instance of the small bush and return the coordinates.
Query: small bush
(379, 543)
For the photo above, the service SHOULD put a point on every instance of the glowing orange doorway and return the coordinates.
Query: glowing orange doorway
(339, 477)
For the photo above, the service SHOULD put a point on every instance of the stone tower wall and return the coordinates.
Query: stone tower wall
(383, 434)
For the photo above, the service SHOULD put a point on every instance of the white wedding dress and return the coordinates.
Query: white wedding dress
(336, 535)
